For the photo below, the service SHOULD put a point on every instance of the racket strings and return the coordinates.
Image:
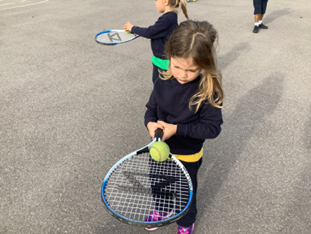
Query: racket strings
(115, 37)
(140, 185)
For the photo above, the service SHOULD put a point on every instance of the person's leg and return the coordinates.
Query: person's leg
(263, 11)
(160, 210)
(264, 7)
(155, 73)
(190, 217)
(257, 12)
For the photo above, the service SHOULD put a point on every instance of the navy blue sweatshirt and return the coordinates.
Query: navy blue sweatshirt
(169, 101)
(159, 33)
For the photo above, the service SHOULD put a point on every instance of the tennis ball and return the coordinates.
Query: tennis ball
(159, 151)
(128, 32)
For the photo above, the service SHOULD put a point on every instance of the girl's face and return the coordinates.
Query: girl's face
(160, 5)
(184, 69)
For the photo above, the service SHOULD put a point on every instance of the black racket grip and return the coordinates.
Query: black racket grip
(158, 134)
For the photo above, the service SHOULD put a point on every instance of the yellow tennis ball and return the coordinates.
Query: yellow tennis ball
(128, 32)
(159, 151)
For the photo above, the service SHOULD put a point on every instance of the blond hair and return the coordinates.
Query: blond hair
(175, 4)
(195, 39)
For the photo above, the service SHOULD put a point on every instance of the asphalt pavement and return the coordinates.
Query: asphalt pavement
(70, 108)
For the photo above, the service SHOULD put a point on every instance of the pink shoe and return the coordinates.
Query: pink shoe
(157, 216)
(185, 230)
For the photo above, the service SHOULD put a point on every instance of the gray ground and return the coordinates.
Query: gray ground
(70, 108)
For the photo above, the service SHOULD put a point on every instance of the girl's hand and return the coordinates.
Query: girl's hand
(128, 27)
(168, 130)
(152, 127)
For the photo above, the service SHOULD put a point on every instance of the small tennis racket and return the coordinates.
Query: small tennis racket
(114, 37)
(137, 185)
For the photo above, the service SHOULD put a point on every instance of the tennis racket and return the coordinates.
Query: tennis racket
(114, 37)
(137, 185)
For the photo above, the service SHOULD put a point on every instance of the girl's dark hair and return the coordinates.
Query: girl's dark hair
(195, 39)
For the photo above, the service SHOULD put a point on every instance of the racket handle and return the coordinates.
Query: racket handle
(158, 134)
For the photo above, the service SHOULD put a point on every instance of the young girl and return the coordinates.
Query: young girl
(187, 104)
(160, 32)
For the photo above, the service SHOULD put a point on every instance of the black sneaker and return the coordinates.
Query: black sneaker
(263, 26)
(256, 29)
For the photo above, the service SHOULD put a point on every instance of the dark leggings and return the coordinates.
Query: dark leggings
(155, 72)
(189, 218)
(260, 6)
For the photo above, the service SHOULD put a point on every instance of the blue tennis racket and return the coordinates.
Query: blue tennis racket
(137, 185)
(114, 37)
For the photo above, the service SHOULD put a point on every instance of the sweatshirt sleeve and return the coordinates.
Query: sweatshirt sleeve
(155, 31)
(208, 126)
(151, 112)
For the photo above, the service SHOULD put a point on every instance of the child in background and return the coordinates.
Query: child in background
(260, 7)
(187, 104)
(160, 32)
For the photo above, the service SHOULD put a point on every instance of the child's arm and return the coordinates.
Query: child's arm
(128, 27)
(152, 127)
(151, 112)
(169, 130)
(208, 127)
(151, 116)
(157, 30)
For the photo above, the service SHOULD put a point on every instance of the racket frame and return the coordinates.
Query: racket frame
(137, 223)
(114, 43)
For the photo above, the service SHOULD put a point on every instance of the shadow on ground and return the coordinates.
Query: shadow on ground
(223, 154)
